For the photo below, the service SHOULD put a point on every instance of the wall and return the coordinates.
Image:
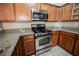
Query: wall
(70, 24)
(17, 25)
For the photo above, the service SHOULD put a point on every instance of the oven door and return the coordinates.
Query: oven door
(43, 42)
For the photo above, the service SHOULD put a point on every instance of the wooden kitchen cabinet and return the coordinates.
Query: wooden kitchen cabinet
(55, 38)
(52, 13)
(76, 48)
(59, 14)
(18, 49)
(67, 12)
(25, 46)
(75, 11)
(36, 6)
(28, 45)
(67, 41)
(7, 12)
(44, 6)
(23, 12)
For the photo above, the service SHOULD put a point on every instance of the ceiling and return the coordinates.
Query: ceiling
(58, 4)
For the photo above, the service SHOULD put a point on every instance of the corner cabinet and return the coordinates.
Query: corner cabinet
(66, 12)
(7, 12)
(25, 46)
(55, 38)
(23, 12)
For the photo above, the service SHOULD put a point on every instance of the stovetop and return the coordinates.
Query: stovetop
(40, 30)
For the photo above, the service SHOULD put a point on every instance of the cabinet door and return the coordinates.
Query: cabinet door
(29, 46)
(36, 6)
(7, 12)
(23, 12)
(51, 13)
(55, 38)
(76, 49)
(44, 6)
(59, 14)
(67, 12)
(66, 42)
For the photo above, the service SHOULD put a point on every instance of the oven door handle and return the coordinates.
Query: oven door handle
(44, 37)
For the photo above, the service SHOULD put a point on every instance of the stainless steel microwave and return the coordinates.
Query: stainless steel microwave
(39, 15)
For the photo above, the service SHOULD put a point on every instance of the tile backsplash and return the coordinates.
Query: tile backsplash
(16, 25)
(70, 24)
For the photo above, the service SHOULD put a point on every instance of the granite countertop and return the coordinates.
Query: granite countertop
(11, 37)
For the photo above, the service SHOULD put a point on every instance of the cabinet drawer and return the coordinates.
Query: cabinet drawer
(67, 34)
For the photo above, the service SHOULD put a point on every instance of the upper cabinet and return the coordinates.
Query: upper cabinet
(75, 11)
(58, 14)
(66, 12)
(6, 12)
(44, 6)
(52, 13)
(39, 6)
(23, 12)
(36, 6)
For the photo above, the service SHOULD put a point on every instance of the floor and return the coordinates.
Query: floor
(56, 51)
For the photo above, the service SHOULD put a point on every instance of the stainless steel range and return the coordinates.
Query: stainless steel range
(42, 38)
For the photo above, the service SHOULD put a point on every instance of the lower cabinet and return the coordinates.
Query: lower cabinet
(17, 50)
(76, 48)
(67, 43)
(29, 47)
(25, 46)
(55, 38)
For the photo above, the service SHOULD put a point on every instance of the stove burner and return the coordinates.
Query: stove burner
(40, 30)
